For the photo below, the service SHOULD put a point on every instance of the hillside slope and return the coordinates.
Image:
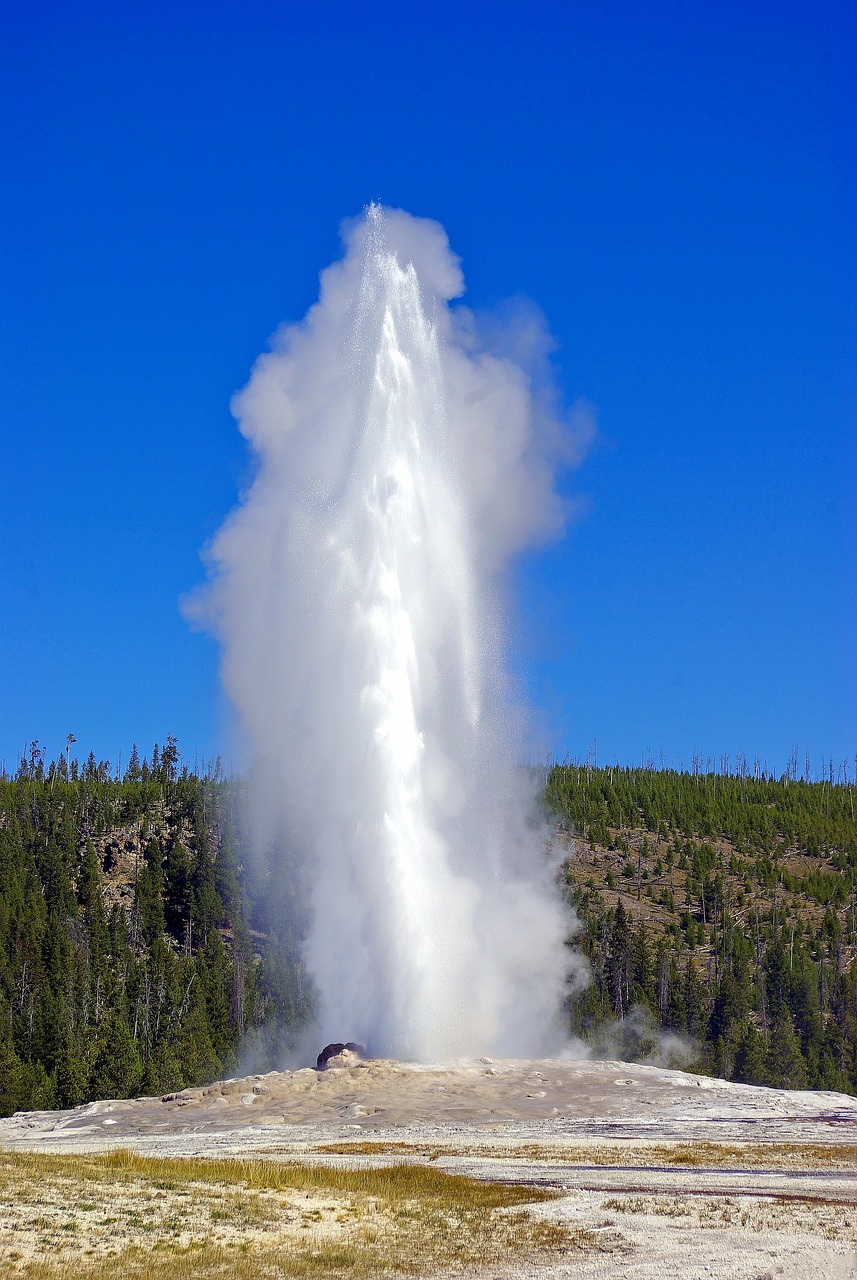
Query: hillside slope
(133, 955)
(138, 955)
(718, 908)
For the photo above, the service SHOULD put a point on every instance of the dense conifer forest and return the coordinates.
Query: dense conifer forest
(138, 955)
(720, 908)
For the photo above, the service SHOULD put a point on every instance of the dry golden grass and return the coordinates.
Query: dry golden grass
(828, 1220)
(106, 1217)
(773, 1155)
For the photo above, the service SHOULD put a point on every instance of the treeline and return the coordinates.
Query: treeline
(134, 957)
(139, 955)
(759, 814)
(720, 909)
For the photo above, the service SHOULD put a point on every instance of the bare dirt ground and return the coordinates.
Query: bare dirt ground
(654, 1173)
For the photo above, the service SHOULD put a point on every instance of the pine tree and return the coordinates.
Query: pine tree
(73, 1071)
(176, 889)
(133, 773)
(619, 962)
(785, 1064)
(118, 1069)
(11, 1091)
(215, 980)
(751, 1059)
(695, 1002)
(149, 893)
(675, 1015)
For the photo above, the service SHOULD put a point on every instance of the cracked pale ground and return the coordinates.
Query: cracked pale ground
(634, 1171)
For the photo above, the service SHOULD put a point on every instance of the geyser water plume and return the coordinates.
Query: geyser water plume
(356, 593)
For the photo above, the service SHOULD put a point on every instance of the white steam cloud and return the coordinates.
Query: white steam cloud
(405, 453)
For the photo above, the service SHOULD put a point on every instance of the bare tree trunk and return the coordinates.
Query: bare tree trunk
(238, 994)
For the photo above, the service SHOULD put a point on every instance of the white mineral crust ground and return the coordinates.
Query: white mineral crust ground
(534, 1122)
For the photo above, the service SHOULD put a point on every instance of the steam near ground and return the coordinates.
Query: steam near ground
(406, 451)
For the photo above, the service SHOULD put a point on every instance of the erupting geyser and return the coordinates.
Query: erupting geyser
(356, 595)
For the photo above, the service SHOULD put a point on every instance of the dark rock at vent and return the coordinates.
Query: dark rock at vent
(340, 1055)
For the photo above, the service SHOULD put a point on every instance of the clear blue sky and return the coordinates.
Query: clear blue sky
(673, 183)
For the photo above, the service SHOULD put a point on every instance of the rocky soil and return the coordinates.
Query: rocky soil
(674, 1175)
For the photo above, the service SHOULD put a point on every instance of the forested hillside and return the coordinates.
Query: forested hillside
(134, 957)
(137, 955)
(720, 908)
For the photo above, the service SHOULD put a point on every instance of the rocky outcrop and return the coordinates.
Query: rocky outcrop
(340, 1055)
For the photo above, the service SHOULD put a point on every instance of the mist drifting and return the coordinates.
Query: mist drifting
(403, 459)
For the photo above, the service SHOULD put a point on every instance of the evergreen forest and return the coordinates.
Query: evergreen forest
(136, 954)
(140, 955)
(717, 914)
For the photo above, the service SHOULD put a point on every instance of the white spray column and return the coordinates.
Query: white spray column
(362, 650)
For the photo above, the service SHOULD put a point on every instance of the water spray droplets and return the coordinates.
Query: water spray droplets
(365, 659)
